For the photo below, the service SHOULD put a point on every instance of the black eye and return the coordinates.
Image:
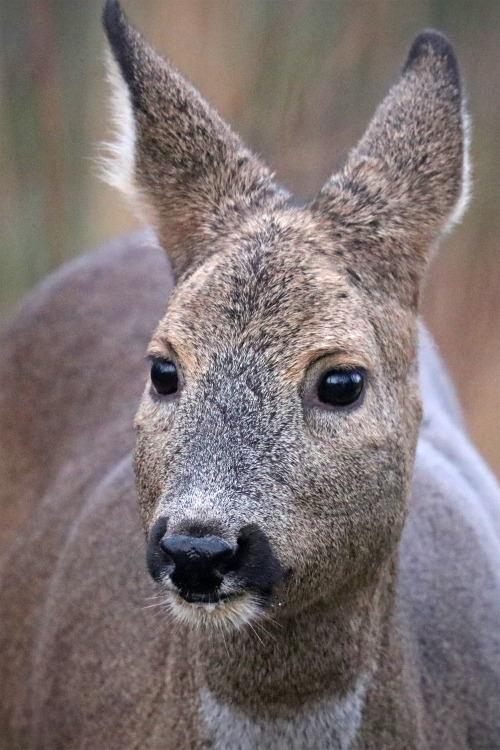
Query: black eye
(341, 386)
(164, 377)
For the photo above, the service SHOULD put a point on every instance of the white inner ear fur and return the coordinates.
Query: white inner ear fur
(465, 195)
(117, 159)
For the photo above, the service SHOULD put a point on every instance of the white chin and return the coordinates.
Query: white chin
(227, 614)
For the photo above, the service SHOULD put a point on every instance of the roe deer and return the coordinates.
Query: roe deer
(331, 575)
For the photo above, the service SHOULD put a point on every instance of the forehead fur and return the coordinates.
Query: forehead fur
(274, 285)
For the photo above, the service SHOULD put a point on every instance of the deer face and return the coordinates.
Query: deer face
(287, 431)
(277, 433)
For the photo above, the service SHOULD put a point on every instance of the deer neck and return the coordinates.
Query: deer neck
(331, 666)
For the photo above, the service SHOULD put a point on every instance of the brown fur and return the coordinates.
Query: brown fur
(268, 298)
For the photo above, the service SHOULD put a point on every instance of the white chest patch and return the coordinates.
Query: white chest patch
(330, 725)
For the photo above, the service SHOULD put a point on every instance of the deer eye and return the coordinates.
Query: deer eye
(341, 386)
(164, 377)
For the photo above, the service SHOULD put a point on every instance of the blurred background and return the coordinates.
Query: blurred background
(299, 80)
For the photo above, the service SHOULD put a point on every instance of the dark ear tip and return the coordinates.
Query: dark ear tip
(112, 16)
(121, 38)
(433, 43)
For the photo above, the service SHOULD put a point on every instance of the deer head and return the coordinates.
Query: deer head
(276, 435)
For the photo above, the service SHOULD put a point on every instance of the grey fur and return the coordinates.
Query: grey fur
(385, 635)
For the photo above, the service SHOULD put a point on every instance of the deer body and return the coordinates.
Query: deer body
(277, 452)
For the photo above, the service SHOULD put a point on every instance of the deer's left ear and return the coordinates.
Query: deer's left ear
(407, 180)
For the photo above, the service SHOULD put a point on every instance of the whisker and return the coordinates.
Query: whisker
(156, 605)
(264, 630)
(221, 628)
(266, 616)
(256, 634)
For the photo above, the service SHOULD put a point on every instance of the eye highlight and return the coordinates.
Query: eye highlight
(164, 377)
(341, 386)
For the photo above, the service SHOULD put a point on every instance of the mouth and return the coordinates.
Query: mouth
(224, 611)
(214, 598)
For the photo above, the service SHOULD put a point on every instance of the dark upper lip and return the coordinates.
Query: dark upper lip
(212, 597)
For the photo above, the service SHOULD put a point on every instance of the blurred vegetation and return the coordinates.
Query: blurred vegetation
(299, 80)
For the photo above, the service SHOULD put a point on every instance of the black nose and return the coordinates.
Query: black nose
(200, 563)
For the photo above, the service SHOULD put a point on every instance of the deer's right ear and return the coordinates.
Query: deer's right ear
(174, 156)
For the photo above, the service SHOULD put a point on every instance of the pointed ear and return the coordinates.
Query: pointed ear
(407, 180)
(174, 156)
